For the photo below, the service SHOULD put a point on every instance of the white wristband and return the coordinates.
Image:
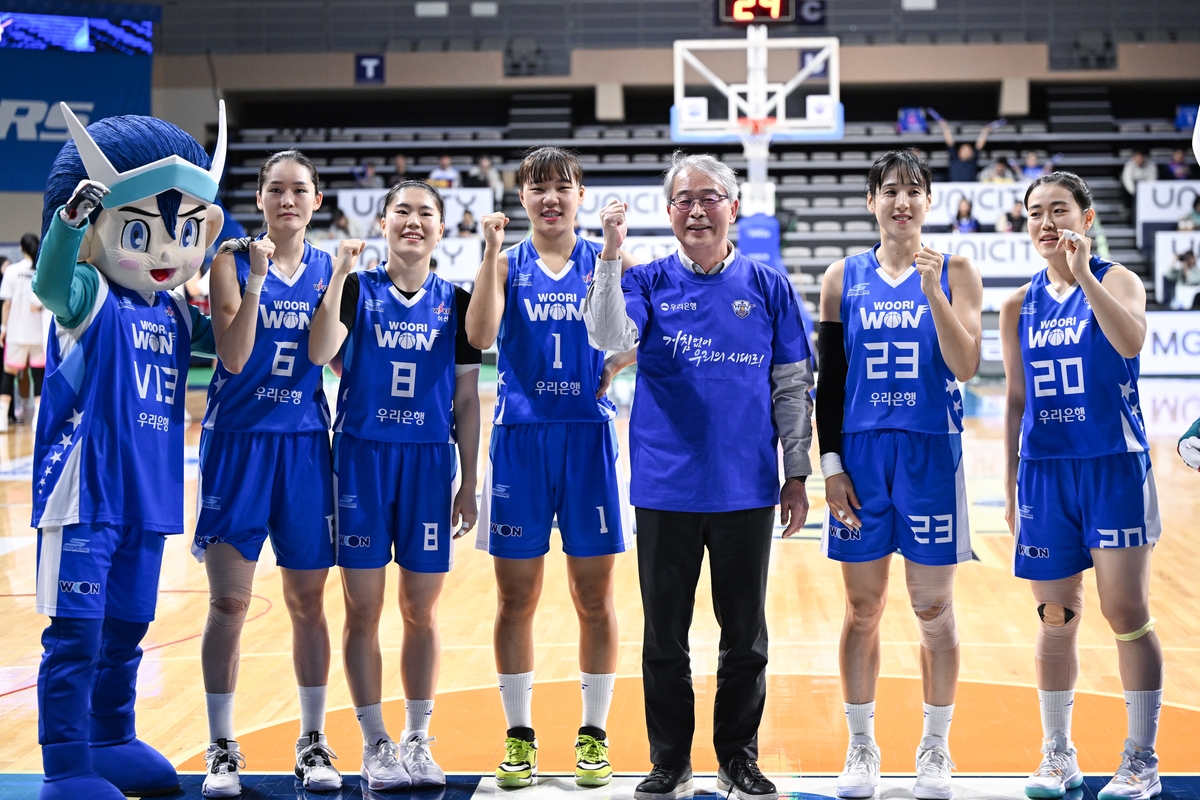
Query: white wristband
(254, 283)
(831, 464)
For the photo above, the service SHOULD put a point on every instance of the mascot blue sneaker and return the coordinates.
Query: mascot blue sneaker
(129, 212)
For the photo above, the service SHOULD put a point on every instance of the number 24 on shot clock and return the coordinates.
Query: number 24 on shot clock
(756, 10)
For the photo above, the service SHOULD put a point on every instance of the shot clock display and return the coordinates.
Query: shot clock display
(756, 11)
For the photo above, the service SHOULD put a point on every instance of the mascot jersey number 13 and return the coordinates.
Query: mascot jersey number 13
(129, 211)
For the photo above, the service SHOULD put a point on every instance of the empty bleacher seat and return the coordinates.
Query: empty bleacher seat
(827, 226)
(828, 251)
(793, 180)
(854, 155)
(855, 129)
(826, 202)
(854, 201)
(586, 133)
(857, 180)
(797, 252)
(645, 133)
(792, 203)
(858, 226)
(343, 161)
(824, 179)
(793, 155)
(801, 226)
(615, 158)
(645, 158)
(824, 155)
(615, 133)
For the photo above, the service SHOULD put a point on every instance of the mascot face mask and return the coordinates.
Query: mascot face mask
(130, 242)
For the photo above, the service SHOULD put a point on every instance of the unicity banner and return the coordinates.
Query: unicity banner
(1172, 344)
(364, 206)
(1006, 261)
(1161, 204)
(988, 200)
(647, 206)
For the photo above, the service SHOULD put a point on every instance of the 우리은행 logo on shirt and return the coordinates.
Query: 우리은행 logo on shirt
(742, 308)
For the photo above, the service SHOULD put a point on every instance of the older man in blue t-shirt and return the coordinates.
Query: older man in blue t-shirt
(723, 376)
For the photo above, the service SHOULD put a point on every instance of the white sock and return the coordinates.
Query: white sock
(1056, 712)
(937, 721)
(597, 697)
(860, 719)
(416, 717)
(312, 709)
(220, 715)
(1143, 709)
(370, 719)
(516, 694)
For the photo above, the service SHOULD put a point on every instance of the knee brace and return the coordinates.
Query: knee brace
(230, 582)
(1139, 633)
(1060, 606)
(931, 592)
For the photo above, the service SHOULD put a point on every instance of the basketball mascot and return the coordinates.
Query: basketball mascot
(128, 215)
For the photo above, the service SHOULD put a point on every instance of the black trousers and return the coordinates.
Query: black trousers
(670, 548)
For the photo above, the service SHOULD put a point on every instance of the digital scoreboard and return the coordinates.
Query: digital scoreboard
(756, 11)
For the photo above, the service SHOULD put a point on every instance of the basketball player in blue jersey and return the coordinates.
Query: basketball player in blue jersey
(899, 327)
(265, 467)
(1079, 487)
(553, 453)
(409, 393)
(127, 216)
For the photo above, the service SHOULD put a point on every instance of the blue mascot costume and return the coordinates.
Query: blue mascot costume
(129, 211)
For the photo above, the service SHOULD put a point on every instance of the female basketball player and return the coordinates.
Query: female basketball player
(409, 391)
(553, 437)
(1080, 491)
(899, 325)
(265, 465)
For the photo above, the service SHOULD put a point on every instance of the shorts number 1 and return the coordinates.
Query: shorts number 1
(603, 524)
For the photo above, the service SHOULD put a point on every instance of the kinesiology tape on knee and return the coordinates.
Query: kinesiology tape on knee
(931, 592)
(229, 593)
(1055, 641)
(1139, 633)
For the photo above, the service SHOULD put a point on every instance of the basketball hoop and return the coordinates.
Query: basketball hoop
(756, 133)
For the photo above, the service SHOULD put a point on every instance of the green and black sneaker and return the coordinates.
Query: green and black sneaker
(519, 767)
(591, 758)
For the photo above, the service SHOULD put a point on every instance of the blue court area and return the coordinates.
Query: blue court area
(560, 787)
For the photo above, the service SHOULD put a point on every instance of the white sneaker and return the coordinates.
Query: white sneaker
(933, 770)
(314, 763)
(1136, 778)
(860, 777)
(381, 769)
(1058, 772)
(418, 761)
(224, 760)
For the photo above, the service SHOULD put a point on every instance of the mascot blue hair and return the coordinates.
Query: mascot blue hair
(129, 212)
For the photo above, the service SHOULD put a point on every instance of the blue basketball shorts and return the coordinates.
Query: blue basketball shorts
(255, 486)
(542, 470)
(1068, 506)
(94, 571)
(394, 495)
(913, 495)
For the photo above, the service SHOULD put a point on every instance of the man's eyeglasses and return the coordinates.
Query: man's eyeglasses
(708, 202)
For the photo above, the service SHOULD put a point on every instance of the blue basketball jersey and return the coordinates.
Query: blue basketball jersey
(701, 434)
(109, 443)
(897, 377)
(278, 390)
(1081, 395)
(547, 371)
(398, 372)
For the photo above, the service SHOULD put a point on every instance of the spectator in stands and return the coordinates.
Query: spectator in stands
(467, 225)
(400, 163)
(1033, 168)
(964, 159)
(999, 172)
(1183, 273)
(1014, 220)
(964, 220)
(1178, 168)
(485, 174)
(1137, 169)
(339, 227)
(365, 177)
(1192, 221)
(444, 175)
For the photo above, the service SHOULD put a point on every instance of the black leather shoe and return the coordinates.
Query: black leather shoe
(665, 783)
(741, 778)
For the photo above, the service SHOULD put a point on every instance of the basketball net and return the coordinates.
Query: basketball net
(756, 136)
(755, 132)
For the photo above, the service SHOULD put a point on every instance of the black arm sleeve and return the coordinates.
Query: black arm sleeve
(350, 300)
(464, 353)
(831, 385)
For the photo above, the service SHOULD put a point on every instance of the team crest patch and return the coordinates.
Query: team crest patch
(742, 308)
(320, 285)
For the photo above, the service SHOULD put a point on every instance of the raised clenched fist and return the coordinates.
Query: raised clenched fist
(492, 227)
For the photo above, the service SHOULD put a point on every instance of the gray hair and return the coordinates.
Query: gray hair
(704, 164)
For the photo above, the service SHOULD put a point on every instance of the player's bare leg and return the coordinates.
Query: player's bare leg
(420, 658)
(866, 585)
(518, 589)
(931, 593)
(304, 595)
(591, 583)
